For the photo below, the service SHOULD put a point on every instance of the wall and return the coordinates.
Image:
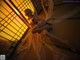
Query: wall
(58, 2)
(69, 30)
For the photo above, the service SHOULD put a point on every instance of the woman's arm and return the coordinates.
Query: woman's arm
(40, 27)
(48, 12)
(44, 9)
(50, 8)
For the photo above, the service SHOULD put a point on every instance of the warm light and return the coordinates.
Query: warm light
(11, 26)
(16, 11)
(13, 7)
(28, 5)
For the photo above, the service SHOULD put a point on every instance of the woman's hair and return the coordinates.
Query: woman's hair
(28, 12)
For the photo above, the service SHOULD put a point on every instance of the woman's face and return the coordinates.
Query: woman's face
(28, 13)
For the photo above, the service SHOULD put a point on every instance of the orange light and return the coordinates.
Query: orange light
(16, 11)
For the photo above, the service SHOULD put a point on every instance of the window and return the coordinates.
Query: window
(13, 22)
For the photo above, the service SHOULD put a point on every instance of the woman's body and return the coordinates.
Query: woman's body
(47, 26)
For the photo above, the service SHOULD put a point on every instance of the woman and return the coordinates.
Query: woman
(47, 26)
(34, 17)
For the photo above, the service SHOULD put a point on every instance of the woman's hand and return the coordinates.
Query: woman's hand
(41, 26)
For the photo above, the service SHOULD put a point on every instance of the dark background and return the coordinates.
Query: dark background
(72, 0)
